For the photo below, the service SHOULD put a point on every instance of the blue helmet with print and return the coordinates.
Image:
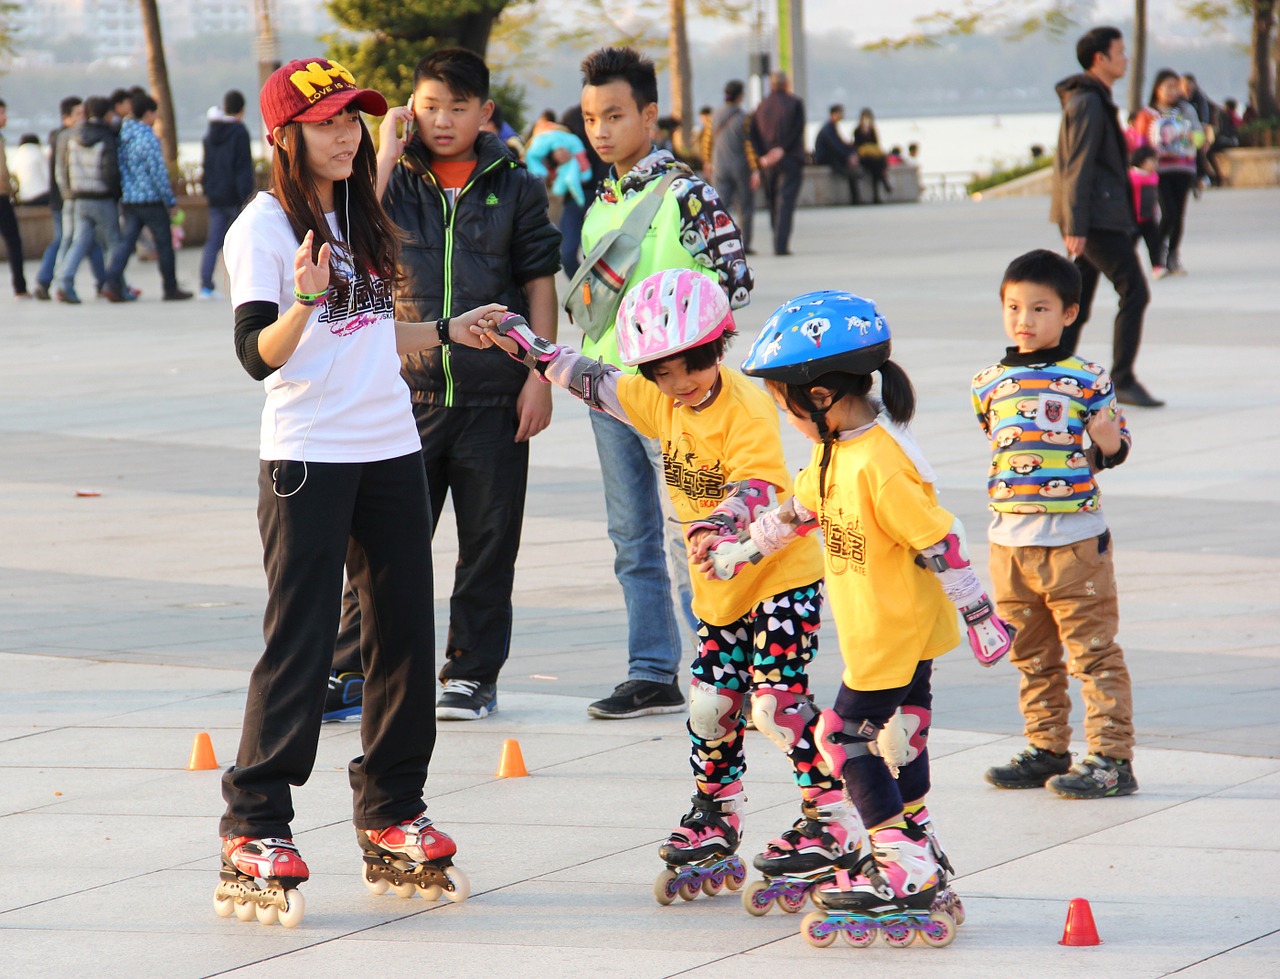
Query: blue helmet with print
(817, 333)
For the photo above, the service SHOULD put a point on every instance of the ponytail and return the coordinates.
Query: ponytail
(896, 392)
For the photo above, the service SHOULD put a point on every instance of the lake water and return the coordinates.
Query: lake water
(948, 144)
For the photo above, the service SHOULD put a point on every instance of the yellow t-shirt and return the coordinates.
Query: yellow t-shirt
(736, 438)
(878, 513)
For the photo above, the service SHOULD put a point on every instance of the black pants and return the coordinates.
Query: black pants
(850, 173)
(1175, 187)
(373, 518)
(1112, 253)
(876, 794)
(13, 242)
(137, 217)
(1149, 234)
(782, 188)
(472, 454)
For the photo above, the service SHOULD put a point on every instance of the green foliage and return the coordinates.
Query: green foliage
(510, 97)
(1003, 176)
(383, 42)
(7, 38)
(1012, 19)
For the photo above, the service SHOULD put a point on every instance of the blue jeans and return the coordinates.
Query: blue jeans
(47, 264)
(630, 466)
(220, 219)
(571, 235)
(92, 221)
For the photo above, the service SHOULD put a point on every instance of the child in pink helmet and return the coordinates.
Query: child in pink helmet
(724, 463)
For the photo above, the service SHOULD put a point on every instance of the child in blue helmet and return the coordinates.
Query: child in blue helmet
(895, 564)
(724, 463)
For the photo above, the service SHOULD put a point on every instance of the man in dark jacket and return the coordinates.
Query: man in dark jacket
(479, 232)
(87, 173)
(830, 150)
(731, 159)
(228, 180)
(1093, 203)
(778, 134)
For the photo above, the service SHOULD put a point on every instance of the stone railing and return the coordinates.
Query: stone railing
(36, 226)
(1249, 166)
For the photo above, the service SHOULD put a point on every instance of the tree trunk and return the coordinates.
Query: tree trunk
(158, 76)
(268, 52)
(1261, 82)
(473, 31)
(1138, 59)
(681, 78)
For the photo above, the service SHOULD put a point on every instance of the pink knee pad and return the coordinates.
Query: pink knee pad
(838, 740)
(781, 715)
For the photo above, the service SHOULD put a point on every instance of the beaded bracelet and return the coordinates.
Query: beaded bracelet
(311, 298)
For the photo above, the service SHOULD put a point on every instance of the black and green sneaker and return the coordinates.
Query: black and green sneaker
(1029, 769)
(1095, 777)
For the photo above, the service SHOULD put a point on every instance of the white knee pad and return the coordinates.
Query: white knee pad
(781, 715)
(713, 711)
(899, 741)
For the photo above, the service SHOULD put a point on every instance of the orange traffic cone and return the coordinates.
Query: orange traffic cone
(202, 759)
(1080, 929)
(512, 763)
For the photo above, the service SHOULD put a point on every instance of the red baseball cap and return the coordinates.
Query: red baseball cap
(312, 90)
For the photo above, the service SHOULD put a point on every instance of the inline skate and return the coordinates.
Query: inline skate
(946, 900)
(702, 852)
(827, 837)
(410, 858)
(274, 861)
(895, 895)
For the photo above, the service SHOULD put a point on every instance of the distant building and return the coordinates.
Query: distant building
(113, 28)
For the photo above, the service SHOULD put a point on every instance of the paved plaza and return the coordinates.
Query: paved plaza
(129, 621)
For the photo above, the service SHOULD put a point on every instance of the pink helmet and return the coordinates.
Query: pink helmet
(668, 312)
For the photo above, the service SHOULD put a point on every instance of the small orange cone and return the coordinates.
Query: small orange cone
(512, 763)
(1080, 929)
(202, 759)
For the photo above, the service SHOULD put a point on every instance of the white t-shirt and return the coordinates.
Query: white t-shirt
(339, 397)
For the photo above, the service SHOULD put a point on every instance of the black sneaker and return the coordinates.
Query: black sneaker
(345, 699)
(466, 700)
(1095, 777)
(635, 698)
(1029, 769)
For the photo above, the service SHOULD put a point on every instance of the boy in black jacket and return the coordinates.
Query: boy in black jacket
(478, 225)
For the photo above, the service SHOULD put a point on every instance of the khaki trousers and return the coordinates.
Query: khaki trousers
(1066, 597)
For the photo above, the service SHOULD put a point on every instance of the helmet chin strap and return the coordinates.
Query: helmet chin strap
(819, 418)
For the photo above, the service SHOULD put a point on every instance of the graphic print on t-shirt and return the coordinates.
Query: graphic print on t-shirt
(843, 537)
(346, 313)
(701, 481)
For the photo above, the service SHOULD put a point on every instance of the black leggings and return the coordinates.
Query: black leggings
(1175, 186)
(876, 794)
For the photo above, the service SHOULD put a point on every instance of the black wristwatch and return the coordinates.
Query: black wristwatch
(442, 331)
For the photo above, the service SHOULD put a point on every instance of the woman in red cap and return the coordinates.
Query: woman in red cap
(341, 483)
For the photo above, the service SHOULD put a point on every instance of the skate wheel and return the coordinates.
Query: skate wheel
(858, 934)
(817, 931)
(461, 889)
(940, 930)
(956, 911)
(430, 892)
(268, 914)
(899, 935)
(405, 889)
(712, 886)
(664, 889)
(377, 885)
(223, 907)
(791, 902)
(689, 891)
(295, 906)
(736, 878)
(244, 910)
(752, 900)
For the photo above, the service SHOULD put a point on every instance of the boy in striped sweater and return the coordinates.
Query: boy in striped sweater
(1051, 564)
